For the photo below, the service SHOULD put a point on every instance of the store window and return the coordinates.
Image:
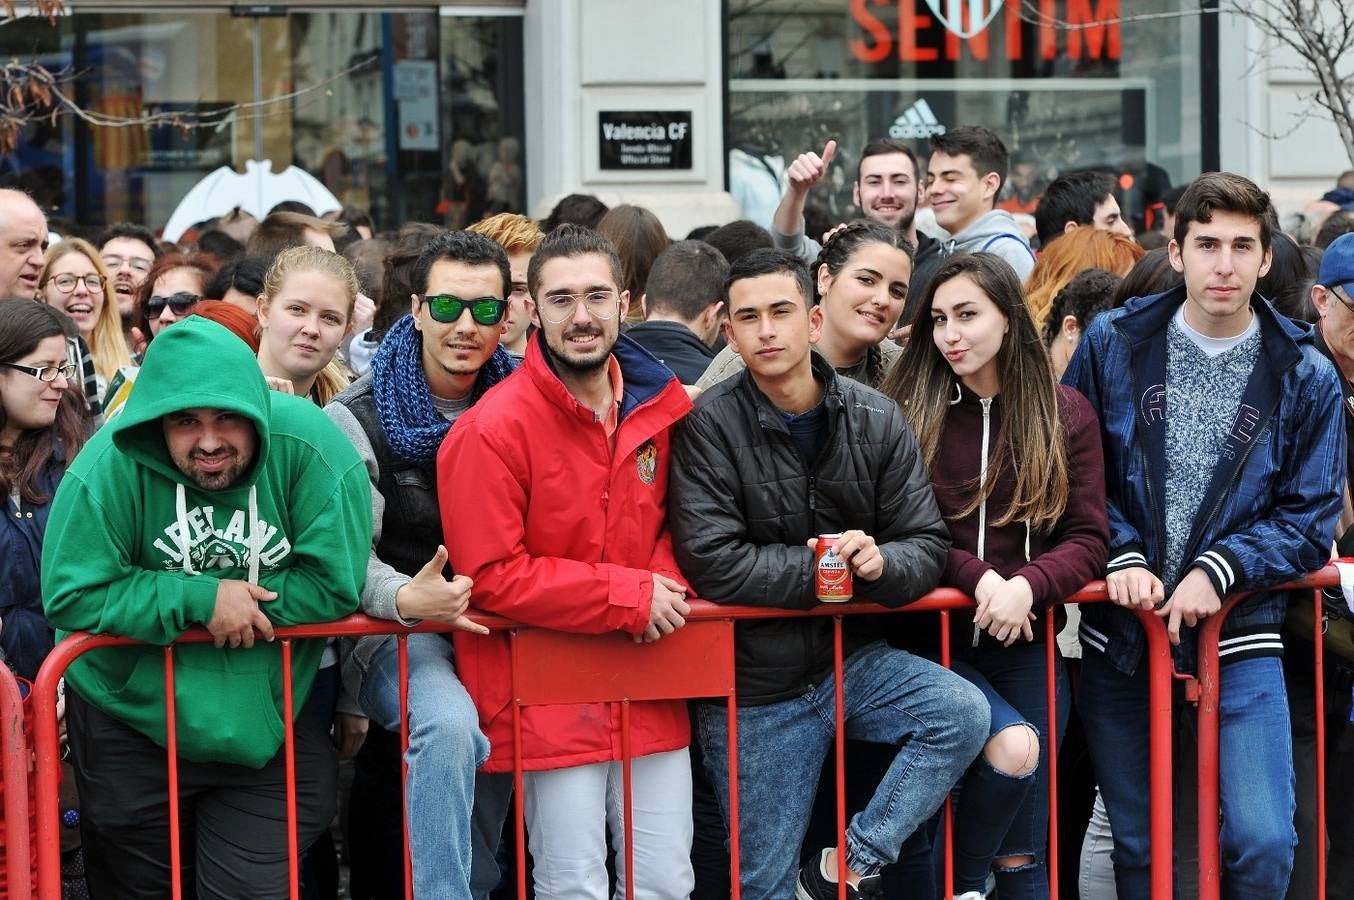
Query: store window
(1118, 96)
(370, 103)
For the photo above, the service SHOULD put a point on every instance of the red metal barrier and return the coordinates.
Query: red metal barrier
(554, 667)
(1209, 698)
(15, 758)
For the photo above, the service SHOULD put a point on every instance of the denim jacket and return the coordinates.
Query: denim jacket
(1271, 507)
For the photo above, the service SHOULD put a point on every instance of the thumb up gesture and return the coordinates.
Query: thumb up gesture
(809, 168)
(429, 595)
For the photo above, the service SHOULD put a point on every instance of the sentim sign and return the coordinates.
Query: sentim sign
(908, 29)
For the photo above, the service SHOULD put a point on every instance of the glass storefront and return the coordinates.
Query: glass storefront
(407, 114)
(1065, 85)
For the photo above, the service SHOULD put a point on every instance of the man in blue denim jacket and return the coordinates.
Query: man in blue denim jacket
(1224, 459)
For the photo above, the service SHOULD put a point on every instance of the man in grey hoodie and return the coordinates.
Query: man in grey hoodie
(966, 171)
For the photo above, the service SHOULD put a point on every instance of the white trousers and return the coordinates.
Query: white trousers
(568, 812)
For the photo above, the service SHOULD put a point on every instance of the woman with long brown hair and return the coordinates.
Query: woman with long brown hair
(42, 427)
(1016, 466)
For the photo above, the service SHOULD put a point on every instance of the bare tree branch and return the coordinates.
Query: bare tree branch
(1319, 32)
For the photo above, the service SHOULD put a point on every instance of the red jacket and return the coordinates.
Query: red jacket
(559, 531)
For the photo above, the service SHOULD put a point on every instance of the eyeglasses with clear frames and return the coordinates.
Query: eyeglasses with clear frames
(46, 374)
(66, 283)
(557, 308)
(137, 263)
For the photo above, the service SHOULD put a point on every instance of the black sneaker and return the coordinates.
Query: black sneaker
(817, 883)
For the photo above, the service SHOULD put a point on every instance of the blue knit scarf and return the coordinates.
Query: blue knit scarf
(404, 403)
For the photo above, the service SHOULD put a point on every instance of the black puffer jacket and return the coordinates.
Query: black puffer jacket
(742, 507)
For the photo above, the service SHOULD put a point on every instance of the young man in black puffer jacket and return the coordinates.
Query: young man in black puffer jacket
(768, 460)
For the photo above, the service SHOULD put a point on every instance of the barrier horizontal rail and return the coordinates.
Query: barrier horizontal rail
(942, 600)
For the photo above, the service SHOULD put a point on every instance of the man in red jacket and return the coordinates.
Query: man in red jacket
(553, 491)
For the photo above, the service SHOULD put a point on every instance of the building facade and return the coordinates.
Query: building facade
(447, 112)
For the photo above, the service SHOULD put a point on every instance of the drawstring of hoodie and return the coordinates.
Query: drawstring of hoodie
(254, 548)
(185, 546)
(181, 518)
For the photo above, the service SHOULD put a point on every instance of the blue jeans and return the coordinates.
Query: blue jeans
(1256, 783)
(450, 809)
(999, 814)
(938, 720)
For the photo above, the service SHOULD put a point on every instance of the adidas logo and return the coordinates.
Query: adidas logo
(916, 123)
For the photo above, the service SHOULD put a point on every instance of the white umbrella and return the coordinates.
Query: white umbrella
(258, 190)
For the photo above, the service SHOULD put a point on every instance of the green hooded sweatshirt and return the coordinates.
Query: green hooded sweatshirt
(298, 523)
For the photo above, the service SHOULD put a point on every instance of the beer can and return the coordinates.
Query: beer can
(831, 576)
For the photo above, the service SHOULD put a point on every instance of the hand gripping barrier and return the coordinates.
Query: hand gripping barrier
(695, 662)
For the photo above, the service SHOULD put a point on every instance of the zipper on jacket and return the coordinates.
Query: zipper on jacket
(1158, 523)
(813, 509)
(606, 498)
(982, 482)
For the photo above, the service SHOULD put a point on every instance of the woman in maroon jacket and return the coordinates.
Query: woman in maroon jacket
(1016, 465)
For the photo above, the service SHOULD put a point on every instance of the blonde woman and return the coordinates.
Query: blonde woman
(305, 312)
(75, 281)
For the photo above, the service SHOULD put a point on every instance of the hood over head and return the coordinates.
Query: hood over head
(193, 363)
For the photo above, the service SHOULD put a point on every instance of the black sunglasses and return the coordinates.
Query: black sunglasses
(447, 308)
(180, 303)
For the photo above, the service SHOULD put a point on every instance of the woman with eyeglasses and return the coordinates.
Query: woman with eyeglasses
(42, 426)
(74, 281)
(305, 312)
(171, 289)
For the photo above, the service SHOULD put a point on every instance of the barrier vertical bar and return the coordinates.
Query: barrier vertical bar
(1160, 669)
(172, 752)
(735, 864)
(289, 755)
(47, 747)
(949, 800)
(1319, 698)
(14, 759)
(1051, 737)
(627, 789)
(1210, 864)
(519, 809)
(402, 645)
(839, 741)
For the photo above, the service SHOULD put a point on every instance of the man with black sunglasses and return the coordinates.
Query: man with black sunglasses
(554, 499)
(431, 367)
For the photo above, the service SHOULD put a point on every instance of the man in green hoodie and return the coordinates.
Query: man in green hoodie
(210, 501)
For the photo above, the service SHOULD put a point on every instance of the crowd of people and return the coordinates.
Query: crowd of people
(582, 425)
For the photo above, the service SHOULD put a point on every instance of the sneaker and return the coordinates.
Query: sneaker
(817, 883)
(971, 895)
